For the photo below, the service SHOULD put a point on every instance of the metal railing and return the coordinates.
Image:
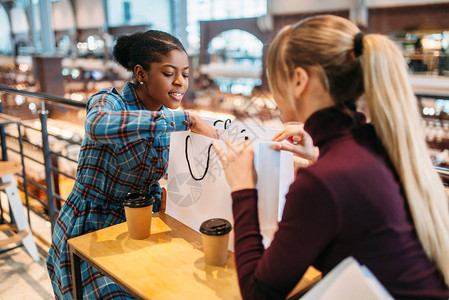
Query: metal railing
(49, 163)
(7, 120)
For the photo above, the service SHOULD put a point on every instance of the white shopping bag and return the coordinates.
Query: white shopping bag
(348, 280)
(197, 189)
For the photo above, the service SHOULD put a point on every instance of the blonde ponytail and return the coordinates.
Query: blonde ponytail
(394, 112)
(326, 43)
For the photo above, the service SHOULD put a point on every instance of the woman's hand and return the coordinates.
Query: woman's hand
(301, 142)
(238, 165)
(199, 126)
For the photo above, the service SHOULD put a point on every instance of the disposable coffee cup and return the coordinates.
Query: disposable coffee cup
(138, 211)
(215, 235)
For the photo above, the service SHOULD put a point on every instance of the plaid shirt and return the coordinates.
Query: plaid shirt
(125, 148)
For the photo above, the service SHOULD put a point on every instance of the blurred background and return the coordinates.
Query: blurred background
(54, 54)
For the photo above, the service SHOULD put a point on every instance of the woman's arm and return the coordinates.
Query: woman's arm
(309, 223)
(108, 122)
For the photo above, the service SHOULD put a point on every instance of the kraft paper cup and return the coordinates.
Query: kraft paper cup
(139, 211)
(215, 236)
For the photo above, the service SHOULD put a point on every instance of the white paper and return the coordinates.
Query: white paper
(347, 281)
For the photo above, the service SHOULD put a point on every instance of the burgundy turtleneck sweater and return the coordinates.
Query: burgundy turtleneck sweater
(349, 203)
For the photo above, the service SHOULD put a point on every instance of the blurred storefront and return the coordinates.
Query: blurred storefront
(227, 43)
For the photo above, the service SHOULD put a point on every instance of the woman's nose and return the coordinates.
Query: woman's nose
(179, 80)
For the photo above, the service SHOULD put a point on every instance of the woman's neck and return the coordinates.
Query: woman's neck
(316, 97)
(147, 102)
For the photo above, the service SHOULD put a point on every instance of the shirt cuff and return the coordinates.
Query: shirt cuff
(244, 194)
(177, 121)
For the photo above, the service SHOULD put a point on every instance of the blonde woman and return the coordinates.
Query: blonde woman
(372, 193)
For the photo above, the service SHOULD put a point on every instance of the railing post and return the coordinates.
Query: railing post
(4, 158)
(4, 154)
(24, 176)
(2, 134)
(57, 190)
(47, 163)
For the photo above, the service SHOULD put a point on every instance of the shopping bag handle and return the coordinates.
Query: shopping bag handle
(225, 126)
(188, 162)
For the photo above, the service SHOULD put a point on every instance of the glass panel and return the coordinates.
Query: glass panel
(205, 10)
(5, 32)
(235, 62)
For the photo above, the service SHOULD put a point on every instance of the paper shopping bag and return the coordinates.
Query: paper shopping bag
(197, 189)
(275, 173)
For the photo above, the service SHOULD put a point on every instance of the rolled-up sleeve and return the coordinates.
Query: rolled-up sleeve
(176, 120)
(107, 121)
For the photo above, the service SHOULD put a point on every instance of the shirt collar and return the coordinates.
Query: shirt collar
(330, 123)
(132, 99)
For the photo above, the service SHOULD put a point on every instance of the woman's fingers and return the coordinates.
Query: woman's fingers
(286, 147)
(278, 136)
(290, 131)
(214, 134)
(234, 150)
(238, 164)
(310, 153)
(200, 126)
(209, 131)
(284, 134)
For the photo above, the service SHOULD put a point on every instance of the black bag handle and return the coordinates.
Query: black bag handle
(188, 162)
(225, 123)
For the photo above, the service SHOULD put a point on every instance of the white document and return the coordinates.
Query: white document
(348, 281)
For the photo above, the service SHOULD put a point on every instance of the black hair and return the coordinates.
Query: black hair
(144, 48)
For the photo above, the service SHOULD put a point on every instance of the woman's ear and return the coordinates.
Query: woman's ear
(299, 81)
(140, 73)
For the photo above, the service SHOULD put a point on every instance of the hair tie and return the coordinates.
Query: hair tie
(358, 44)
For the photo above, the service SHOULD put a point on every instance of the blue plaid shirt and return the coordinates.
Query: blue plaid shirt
(125, 148)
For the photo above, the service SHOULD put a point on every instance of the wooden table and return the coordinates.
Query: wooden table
(167, 265)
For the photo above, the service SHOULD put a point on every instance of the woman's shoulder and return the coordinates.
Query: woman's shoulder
(107, 92)
(111, 96)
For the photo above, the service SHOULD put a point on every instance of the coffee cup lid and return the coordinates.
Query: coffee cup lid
(137, 199)
(215, 226)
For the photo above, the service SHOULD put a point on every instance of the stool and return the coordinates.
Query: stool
(21, 231)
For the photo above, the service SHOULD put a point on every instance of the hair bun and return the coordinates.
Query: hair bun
(122, 50)
(144, 48)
